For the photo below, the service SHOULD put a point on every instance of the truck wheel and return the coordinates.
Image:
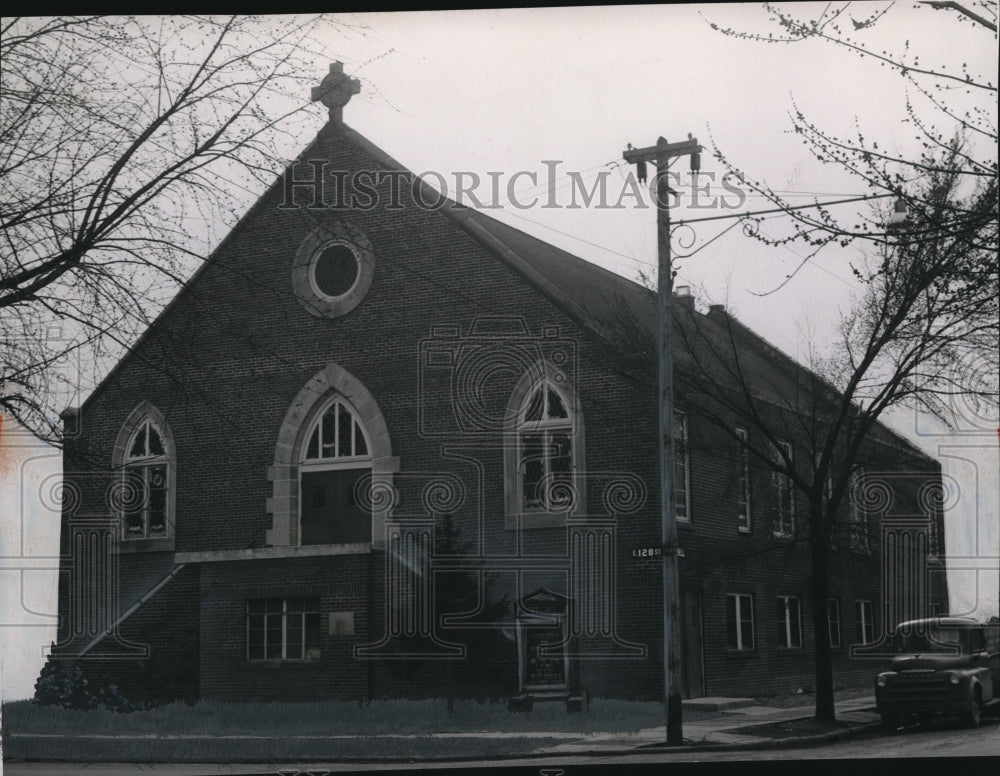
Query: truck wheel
(972, 714)
(890, 723)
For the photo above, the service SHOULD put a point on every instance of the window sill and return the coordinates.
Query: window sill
(536, 520)
(741, 653)
(273, 665)
(282, 551)
(158, 544)
(744, 531)
(791, 651)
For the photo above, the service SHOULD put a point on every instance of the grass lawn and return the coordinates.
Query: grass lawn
(792, 728)
(337, 718)
(214, 731)
(789, 700)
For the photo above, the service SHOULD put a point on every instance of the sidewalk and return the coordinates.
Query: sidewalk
(728, 728)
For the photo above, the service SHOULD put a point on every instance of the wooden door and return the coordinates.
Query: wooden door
(691, 646)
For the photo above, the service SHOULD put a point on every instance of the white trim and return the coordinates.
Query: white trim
(284, 629)
(317, 254)
(784, 525)
(787, 620)
(284, 474)
(740, 646)
(332, 462)
(857, 517)
(744, 522)
(863, 621)
(515, 515)
(829, 623)
(303, 283)
(145, 412)
(682, 416)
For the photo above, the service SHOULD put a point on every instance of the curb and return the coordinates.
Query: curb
(771, 743)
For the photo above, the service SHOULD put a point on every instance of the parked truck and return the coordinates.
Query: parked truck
(942, 666)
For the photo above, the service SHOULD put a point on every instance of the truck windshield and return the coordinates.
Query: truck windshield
(932, 640)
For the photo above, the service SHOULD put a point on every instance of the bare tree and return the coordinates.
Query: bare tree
(953, 115)
(922, 302)
(127, 147)
(927, 306)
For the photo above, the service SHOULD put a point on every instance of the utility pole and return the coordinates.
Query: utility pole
(662, 153)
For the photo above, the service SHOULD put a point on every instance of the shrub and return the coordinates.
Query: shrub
(61, 683)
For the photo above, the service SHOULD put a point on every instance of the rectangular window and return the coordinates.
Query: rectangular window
(742, 483)
(789, 622)
(283, 629)
(833, 618)
(739, 621)
(682, 467)
(828, 491)
(857, 514)
(934, 535)
(784, 520)
(866, 622)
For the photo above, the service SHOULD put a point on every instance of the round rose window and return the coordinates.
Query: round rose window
(335, 271)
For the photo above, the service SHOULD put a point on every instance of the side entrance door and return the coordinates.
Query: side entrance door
(694, 665)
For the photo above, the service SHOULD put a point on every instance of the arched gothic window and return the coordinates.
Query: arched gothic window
(146, 467)
(335, 458)
(545, 451)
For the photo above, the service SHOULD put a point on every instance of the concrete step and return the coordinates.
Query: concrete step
(715, 704)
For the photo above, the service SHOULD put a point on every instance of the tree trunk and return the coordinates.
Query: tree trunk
(819, 543)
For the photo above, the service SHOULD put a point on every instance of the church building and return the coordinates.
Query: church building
(377, 447)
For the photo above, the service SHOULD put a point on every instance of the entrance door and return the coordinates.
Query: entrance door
(330, 510)
(694, 666)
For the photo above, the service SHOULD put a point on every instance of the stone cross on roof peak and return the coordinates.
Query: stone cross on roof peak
(336, 90)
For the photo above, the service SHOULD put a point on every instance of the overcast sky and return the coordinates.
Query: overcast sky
(507, 91)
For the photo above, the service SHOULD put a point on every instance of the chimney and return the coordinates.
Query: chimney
(70, 421)
(717, 309)
(683, 297)
(335, 91)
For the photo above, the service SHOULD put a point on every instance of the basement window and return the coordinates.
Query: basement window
(283, 629)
